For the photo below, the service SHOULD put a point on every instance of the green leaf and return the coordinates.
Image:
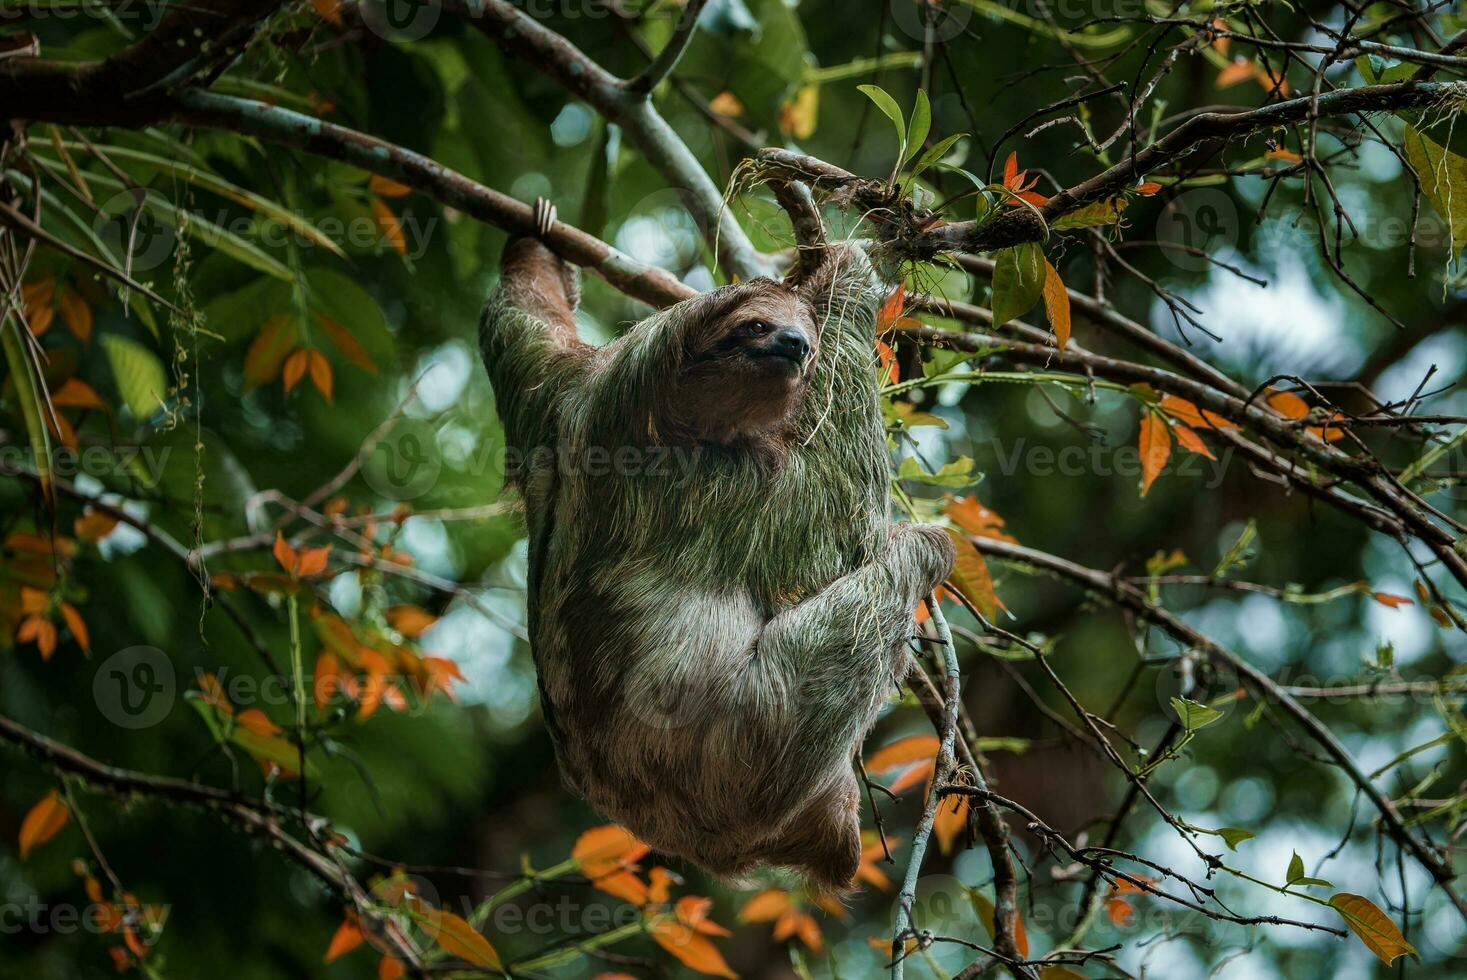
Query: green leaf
(1296, 868)
(1095, 215)
(888, 105)
(935, 153)
(1238, 554)
(28, 393)
(919, 126)
(1233, 836)
(1375, 929)
(958, 473)
(1194, 716)
(1382, 71)
(1443, 180)
(1018, 281)
(209, 713)
(141, 380)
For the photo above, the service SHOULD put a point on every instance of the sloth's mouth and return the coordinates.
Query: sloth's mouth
(792, 360)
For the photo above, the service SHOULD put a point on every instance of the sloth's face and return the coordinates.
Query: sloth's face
(747, 364)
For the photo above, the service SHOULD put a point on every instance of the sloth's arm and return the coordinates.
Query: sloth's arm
(839, 646)
(528, 340)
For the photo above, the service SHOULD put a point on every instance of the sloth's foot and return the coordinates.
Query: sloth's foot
(544, 216)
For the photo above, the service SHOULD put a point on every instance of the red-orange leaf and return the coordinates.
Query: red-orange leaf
(390, 969)
(348, 937)
(346, 342)
(904, 752)
(1239, 71)
(284, 554)
(1148, 188)
(94, 525)
(457, 937)
(43, 822)
(1156, 449)
(41, 632)
(411, 621)
(887, 359)
(77, 625)
(1288, 404)
(255, 720)
(892, 308)
(277, 338)
(312, 561)
(320, 370)
(1191, 441)
(1393, 601)
(766, 906)
(74, 393)
(981, 522)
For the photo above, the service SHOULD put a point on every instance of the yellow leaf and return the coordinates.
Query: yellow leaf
(1373, 926)
(695, 952)
(1156, 449)
(1057, 304)
(726, 104)
(797, 117)
(43, 822)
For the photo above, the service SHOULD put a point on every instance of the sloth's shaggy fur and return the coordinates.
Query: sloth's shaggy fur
(718, 602)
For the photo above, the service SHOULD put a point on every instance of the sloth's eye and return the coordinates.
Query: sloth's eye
(758, 327)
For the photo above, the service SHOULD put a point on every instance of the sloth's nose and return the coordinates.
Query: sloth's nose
(790, 342)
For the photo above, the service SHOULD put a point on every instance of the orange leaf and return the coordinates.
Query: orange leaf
(77, 625)
(1156, 449)
(1191, 441)
(1239, 71)
(76, 313)
(1284, 154)
(390, 969)
(411, 621)
(892, 308)
(660, 882)
(695, 952)
(1120, 912)
(1393, 601)
(951, 819)
(390, 226)
(726, 104)
(328, 672)
(903, 752)
(255, 720)
(457, 937)
(214, 695)
(970, 515)
(1057, 304)
(313, 561)
(888, 362)
(766, 906)
(41, 632)
(40, 320)
(918, 775)
(693, 911)
(94, 525)
(971, 577)
(1288, 404)
(285, 555)
(1148, 188)
(76, 394)
(329, 11)
(277, 338)
(348, 937)
(1011, 170)
(384, 187)
(295, 368)
(320, 369)
(1375, 929)
(43, 822)
(34, 602)
(346, 342)
(607, 848)
(1329, 433)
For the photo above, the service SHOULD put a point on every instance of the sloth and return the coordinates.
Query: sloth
(718, 601)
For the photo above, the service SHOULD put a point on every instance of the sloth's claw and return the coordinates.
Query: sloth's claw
(544, 216)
